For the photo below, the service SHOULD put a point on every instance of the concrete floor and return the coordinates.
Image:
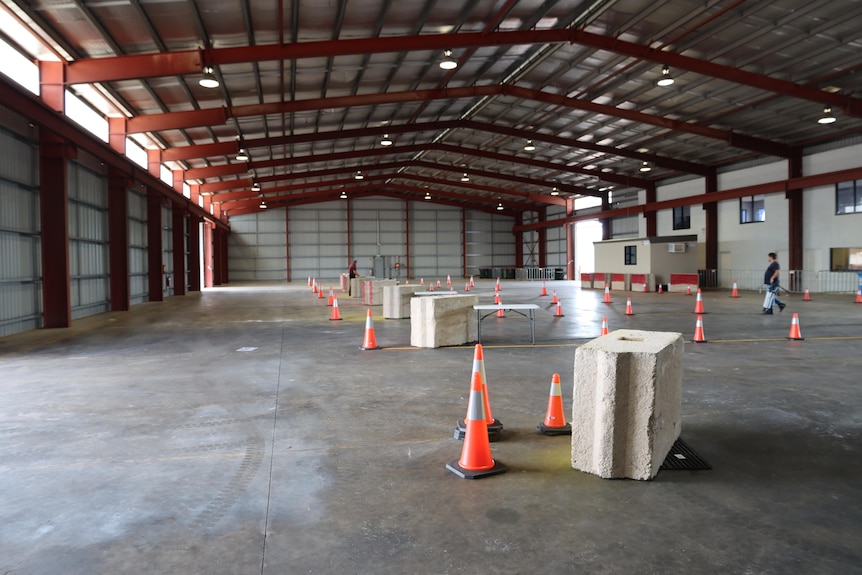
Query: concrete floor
(240, 431)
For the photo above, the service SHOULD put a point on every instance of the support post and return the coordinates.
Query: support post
(54, 153)
(795, 222)
(711, 216)
(178, 224)
(154, 246)
(118, 238)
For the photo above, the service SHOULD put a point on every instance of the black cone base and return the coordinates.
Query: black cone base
(495, 430)
(475, 474)
(545, 430)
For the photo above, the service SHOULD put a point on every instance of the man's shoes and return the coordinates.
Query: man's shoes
(781, 306)
(767, 312)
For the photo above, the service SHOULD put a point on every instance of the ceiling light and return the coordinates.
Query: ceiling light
(645, 167)
(555, 192)
(465, 178)
(827, 117)
(529, 147)
(448, 62)
(358, 175)
(343, 195)
(208, 80)
(255, 187)
(427, 195)
(500, 206)
(386, 141)
(242, 155)
(666, 79)
(262, 204)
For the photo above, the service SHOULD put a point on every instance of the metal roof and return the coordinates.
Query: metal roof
(309, 89)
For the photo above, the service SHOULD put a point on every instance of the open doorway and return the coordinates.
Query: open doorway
(586, 232)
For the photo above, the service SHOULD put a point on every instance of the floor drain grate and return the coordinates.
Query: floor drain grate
(681, 456)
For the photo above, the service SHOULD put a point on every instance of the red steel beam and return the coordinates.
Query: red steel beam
(774, 187)
(217, 116)
(192, 61)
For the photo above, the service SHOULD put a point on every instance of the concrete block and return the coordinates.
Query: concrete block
(355, 286)
(372, 290)
(627, 403)
(396, 300)
(436, 321)
(643, 283)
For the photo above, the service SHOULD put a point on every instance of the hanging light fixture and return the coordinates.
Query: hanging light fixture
(500, 206)
(208, 80)
(255, 187)
(666, 79)
(448, 62)
(263, 204)
(827, 117)
(358, 175)
(465, 177)
(555, 192)
(343, 195)
(645, 167)
(529, 146)
(427, 195)
(242, 155)
(386, 141)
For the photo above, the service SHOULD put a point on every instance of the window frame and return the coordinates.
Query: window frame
(751, 203)
(855, 189)
(684, 217)
(630, 255)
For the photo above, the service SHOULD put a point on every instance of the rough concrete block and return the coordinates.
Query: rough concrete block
(355, 286)
(436, 321)
(627, 403)
(396, 300)
(372, 290)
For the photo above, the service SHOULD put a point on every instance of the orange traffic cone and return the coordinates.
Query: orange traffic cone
(559, 312)
(335, 313)
(422, 281)
(645, 287)
(495, 427)
(448, 280)
(331, 297)
(476, 460)
(698, 305)
(735, 291)
(629, 306)
(807, 296)
(698, 331)
(496, 298)
(794, 328)
(320, 293)
(438, 283)
(687, 290)
(467, 287)
(544, 290)
(370, 341)
(554, 297)
(309, 281)
(607, 298)
(499, 287)
(471, 282)
(660, 288)
(859, 295)
(500, 311)
(430, 287)
(314, 288)
(555, 419)
(604, 326)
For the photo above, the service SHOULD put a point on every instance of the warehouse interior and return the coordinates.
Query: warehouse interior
(174, 396)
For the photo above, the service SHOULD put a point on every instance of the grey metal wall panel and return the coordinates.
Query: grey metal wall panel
(318, 240)
(88, 241)
(19, 160)
(257, 248)
(435, 241)
(490, 242)
(138, 263)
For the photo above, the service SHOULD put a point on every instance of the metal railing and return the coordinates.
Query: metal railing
(533, 273)
(823, 281)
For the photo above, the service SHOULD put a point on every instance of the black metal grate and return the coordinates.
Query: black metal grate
(681, 456)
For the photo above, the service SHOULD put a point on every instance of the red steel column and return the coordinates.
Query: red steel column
(154, 246)
(795, 223)
(570, 242)
(651, 227)
(118, 238)
(208, 254)
(54, 153)
(711, 232)
(179, 218)
(194, 253)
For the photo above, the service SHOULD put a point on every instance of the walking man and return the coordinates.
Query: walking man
(770, 280)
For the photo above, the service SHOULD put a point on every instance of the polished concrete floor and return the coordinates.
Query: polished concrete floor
(240, 431)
